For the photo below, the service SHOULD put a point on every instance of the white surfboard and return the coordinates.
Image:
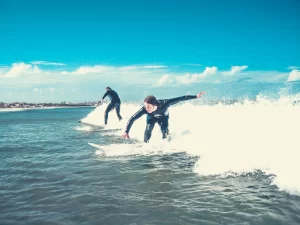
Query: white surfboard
(93, 125)
(94, 145)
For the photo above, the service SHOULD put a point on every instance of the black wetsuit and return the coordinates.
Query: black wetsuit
(115, 102)
(160, 116)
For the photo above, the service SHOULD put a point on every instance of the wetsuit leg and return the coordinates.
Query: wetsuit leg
(118, 106)
(164, 126)
(110, 106)
(149, 128)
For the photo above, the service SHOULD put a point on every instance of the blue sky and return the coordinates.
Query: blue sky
(65, 50)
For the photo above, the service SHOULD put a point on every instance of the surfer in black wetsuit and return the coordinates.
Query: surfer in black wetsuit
(115, 102)
(157, 112)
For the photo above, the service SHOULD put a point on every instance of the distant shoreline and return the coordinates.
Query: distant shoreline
(27, 105)
(54, 107)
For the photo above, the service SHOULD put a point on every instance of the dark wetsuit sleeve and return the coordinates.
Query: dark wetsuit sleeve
(106, 93)
(137, 115)
(172, 101)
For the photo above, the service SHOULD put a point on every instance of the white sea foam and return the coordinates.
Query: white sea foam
(241, 137)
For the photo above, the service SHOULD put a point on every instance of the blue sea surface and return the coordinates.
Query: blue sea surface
(49, 174)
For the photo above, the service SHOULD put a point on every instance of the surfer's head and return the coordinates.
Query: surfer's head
(108, 88)
(150, 103)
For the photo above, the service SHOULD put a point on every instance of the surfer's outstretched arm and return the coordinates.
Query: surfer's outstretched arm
(102, 99)
(104, 96)
(172, 101)
(137, 115)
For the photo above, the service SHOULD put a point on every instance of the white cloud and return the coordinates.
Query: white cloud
(36, 90)
(91, 69)
(34, 79)
(235, 70)
(47, 63)
(127, 68)
(138, 67)
(209, 71)
(294, 75)
(43, 90)
(194, 78)
(154, 67)
(293, 67)
(187, 78)
(3, 70)
(29, 75)
(35, 70)
(22, 68)
(166, 80)
(191, 64)
(52, 90)
(213, 76)
(18, 70)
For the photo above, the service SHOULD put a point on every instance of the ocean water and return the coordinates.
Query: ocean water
(231, 162)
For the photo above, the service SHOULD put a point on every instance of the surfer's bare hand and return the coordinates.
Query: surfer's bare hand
(126, 136)
(200, 94)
